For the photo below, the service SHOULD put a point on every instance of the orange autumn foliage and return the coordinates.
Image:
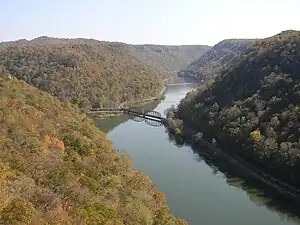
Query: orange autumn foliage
(53, 142)
(160, 197)
(87, 183)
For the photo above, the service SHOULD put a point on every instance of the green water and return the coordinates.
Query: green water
(196, 189)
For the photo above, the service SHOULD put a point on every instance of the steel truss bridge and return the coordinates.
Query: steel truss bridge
(150, 117)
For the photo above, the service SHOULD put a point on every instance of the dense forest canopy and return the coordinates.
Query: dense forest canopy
(90, 72)
(211, 63)
(170, 59)
(252, 109)
(56, 167)
(84, 71)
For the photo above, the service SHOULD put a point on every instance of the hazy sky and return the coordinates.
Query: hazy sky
(148, 21)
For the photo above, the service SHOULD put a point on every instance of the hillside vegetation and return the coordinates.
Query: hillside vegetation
(252, 110)
(56, 167)
(91, 73)
(170, 59)
(84, 71)
(212, 62)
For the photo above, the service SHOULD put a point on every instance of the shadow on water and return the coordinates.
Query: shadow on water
(107, 124)
(258, 193)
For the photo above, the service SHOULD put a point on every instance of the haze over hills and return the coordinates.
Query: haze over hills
(211, 63)
(56, 167)
(170, 59)
(252, 109)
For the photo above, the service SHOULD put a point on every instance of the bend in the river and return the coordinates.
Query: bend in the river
(197, 188)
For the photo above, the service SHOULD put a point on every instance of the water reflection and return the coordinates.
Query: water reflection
(107, 124)
(198, 187)
(259, 194)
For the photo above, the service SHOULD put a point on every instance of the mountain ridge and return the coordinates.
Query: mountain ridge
(213, 61)
(251, 109)
(167, 58)
(85, 72)
(91, 73)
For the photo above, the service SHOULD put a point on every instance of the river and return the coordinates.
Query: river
(195, 189)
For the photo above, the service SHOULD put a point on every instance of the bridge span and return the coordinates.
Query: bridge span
(151, 117)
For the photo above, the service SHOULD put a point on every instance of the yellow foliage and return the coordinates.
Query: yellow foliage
(178, 130)
(88, 184)
(181, 222)
(116, 180)
(19, 212)
(256, 135)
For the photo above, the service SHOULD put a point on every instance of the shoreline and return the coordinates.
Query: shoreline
(137, 103)
(246, 168)
(144, 101)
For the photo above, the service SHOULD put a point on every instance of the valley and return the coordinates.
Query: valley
(240, 96)
(198, 186)
(250, 111)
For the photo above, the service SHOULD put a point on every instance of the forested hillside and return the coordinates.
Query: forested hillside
(212, 62)
(88, 71)
(84, 71)
(252, 110)
(170, 59)
(56, 167)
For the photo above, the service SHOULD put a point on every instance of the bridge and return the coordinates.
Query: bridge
(150, 117)
(179, 84)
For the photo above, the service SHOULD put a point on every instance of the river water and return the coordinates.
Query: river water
(195, 189)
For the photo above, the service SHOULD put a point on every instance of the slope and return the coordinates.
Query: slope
(213, 61)
(84, 71)
(252, 110)
(56, 167)
(170, 59)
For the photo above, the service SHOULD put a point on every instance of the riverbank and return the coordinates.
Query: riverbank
(159, 96)
(198, 188)
(139, 103)
(193, 138)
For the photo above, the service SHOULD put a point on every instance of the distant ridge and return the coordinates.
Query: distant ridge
(84, 71)
(217, 58)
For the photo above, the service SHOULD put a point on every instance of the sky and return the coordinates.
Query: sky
(169, 22)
